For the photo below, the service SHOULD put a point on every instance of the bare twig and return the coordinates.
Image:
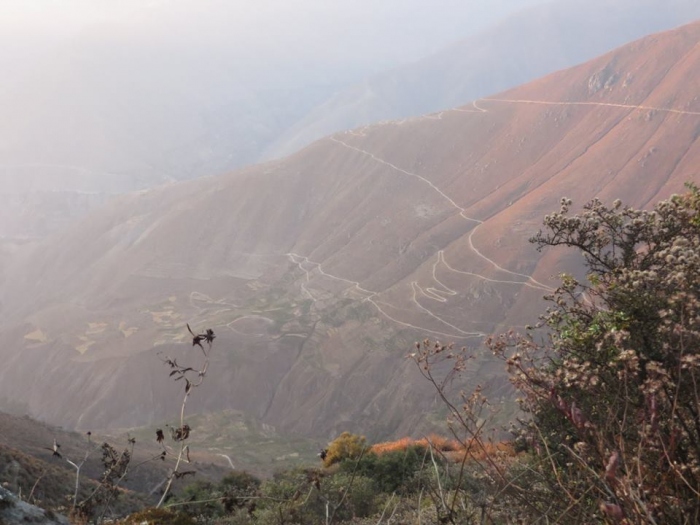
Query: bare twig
(181, 433)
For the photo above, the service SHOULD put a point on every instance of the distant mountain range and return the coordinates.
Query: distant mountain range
(319, 271)
(524, 46)
(129, 105)
(180, 89)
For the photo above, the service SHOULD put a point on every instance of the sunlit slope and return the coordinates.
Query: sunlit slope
(319, 271)
(522, 47)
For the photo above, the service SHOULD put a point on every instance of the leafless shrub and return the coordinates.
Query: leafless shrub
(191, 378)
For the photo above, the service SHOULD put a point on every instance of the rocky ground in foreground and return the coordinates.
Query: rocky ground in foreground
(13, 510)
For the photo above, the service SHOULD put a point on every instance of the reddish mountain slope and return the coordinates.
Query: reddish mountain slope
(529, 44)
(318, 271)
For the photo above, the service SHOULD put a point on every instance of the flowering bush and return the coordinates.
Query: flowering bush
(613, 394)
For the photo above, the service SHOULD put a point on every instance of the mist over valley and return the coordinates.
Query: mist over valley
(321, 186)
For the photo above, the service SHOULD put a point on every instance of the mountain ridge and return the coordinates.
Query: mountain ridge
(535, 42)
(319, 271)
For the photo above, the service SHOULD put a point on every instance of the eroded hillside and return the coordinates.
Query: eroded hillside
(319, 271)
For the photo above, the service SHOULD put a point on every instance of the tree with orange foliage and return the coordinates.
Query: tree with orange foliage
(345, 446)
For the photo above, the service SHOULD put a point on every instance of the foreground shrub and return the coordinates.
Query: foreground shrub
(609, 379)
(614, 394)
(391, 471)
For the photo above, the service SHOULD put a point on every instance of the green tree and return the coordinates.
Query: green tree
(391, 471)
(201, 499)
(240, 490)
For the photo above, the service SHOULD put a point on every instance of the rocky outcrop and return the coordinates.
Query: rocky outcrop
(13, 510)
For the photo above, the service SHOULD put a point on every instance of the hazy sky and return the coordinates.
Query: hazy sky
(389, 31)
(156, 88)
